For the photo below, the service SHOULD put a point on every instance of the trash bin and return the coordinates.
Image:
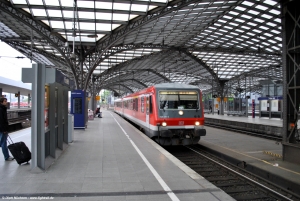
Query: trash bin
(70, 127)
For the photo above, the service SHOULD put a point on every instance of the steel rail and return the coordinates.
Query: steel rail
(241, 175)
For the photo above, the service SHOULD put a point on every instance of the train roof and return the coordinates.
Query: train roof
(162, 86)
(175, 85)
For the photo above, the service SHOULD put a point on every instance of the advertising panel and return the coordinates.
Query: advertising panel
(264, 105)
(46, 107)
(274, 107)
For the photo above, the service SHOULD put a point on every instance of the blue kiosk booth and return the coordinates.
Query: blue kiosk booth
(78, 108)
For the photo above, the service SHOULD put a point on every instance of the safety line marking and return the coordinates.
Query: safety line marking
(154, 172)
(255, 158)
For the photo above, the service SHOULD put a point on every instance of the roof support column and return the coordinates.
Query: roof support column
(291, 78)
(81, 68)
(222, 95)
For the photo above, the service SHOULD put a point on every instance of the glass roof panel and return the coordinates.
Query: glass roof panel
(152, 7)
(35, 2)
(240, 8)
(137, 7)
(277, 20)
(104, 5)
(275, 12)
(259, 20)
(19, 1)
(121, 17)
(51, 2)
(161, 1)
(103, 16)
(55, 13)
(270, 2)
(115, 26)
(68, 3)
(261, 7)
(101, 26)
(246, 16)
(271, 24)
(46, 22)
(122, 6)
(266, 16)
(86, 39)
(85, 4)
(229, 25)
(247, 3)
(68, 13)
(27, 10)
(86, 15)
(69, 25)
(233, 13)
(57, 24)
(39, 12)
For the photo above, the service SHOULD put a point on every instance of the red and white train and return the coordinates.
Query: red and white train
(169, 113)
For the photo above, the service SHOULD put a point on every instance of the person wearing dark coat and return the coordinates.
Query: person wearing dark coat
(4, 129)
(97, 111)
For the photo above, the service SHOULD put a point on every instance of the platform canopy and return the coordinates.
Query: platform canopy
(127, 45)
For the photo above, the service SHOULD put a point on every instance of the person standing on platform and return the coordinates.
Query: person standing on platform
(4, 129)
(97, 112)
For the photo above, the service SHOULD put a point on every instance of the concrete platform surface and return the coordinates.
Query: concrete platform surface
(110, 160)
(260, 156)
(249, 119)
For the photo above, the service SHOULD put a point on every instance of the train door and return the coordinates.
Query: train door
(147, 111)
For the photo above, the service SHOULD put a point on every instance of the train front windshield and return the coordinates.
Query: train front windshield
(178, 100)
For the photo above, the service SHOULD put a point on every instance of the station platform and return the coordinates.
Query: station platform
(260, 156)
(109, 160)
(272, 127)
(257, 120)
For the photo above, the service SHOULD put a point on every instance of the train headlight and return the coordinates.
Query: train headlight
(164, 123)
(197, 123)
(180, 112)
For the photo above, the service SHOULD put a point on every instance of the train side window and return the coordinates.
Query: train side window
(147, 105)
(142, 104)
(133, 104)
(150, 104)
(136, 104)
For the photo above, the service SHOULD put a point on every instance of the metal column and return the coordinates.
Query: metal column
(291, 78)
(36, 76)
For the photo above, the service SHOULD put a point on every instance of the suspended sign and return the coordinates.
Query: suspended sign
(97, 98)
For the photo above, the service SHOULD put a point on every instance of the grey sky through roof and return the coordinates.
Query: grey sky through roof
(126, 45)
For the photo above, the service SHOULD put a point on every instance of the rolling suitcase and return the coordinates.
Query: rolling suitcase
(20, 151)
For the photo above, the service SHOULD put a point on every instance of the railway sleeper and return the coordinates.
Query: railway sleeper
(253, 196)
(208, 174)
(229, 185)
(223, 179)
(206, 169)
(199, 166)
(190, 161)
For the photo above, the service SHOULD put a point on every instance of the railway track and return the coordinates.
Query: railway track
(18, 123)
(235, 181)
